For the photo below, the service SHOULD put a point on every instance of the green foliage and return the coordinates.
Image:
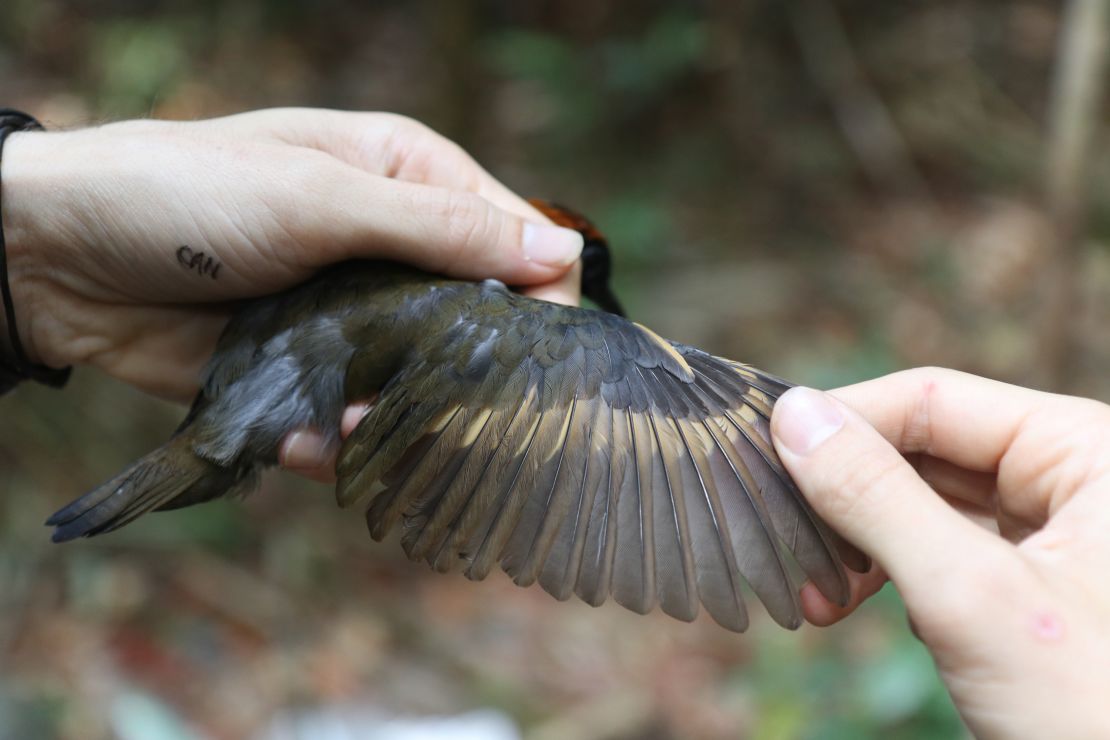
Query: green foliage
(138, 61)
(887, 689)
(30, 715)
(592, 86)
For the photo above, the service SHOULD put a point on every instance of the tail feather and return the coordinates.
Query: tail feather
(152, 482)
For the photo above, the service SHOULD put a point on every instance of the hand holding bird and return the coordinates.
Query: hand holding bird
(128, 244)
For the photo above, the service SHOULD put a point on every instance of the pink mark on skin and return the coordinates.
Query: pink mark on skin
(1048, 626)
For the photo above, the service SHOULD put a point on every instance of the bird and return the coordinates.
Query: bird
(568, 446)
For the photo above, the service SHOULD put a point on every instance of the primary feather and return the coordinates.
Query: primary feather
(568, 446)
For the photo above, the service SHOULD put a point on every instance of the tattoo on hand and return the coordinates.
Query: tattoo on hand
(199, 261)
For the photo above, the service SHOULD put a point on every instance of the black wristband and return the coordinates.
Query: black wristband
(15, 367)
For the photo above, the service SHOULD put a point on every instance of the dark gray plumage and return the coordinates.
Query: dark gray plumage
(568, 446)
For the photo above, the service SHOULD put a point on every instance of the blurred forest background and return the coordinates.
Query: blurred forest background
(830, 189)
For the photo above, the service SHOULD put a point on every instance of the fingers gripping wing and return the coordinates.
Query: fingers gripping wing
(583, 451)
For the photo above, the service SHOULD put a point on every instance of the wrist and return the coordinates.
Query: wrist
(24, 193)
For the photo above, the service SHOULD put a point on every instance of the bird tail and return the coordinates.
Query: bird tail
(169, 477)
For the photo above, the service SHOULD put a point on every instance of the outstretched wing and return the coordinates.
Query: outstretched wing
(581, 450)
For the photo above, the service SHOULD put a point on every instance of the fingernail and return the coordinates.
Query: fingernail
(304, 451)
(805, 418)
(551, 245)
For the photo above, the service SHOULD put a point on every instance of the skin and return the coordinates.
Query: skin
(986, 504)
(94, 220)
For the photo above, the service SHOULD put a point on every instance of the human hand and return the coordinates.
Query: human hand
(129, 243)
(1016, 623)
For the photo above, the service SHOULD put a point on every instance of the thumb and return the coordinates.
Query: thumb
(441, 230)
(866, 491)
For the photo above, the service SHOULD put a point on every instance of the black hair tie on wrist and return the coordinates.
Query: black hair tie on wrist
(17, 367)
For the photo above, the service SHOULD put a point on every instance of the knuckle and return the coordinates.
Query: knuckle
(405, 143)
(917, 428)
(405, 126)
(1058, 451)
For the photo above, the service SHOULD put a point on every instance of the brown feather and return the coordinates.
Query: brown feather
(599, 459)
(599, 531)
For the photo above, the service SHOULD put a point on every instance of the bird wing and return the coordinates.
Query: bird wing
(581, 450)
